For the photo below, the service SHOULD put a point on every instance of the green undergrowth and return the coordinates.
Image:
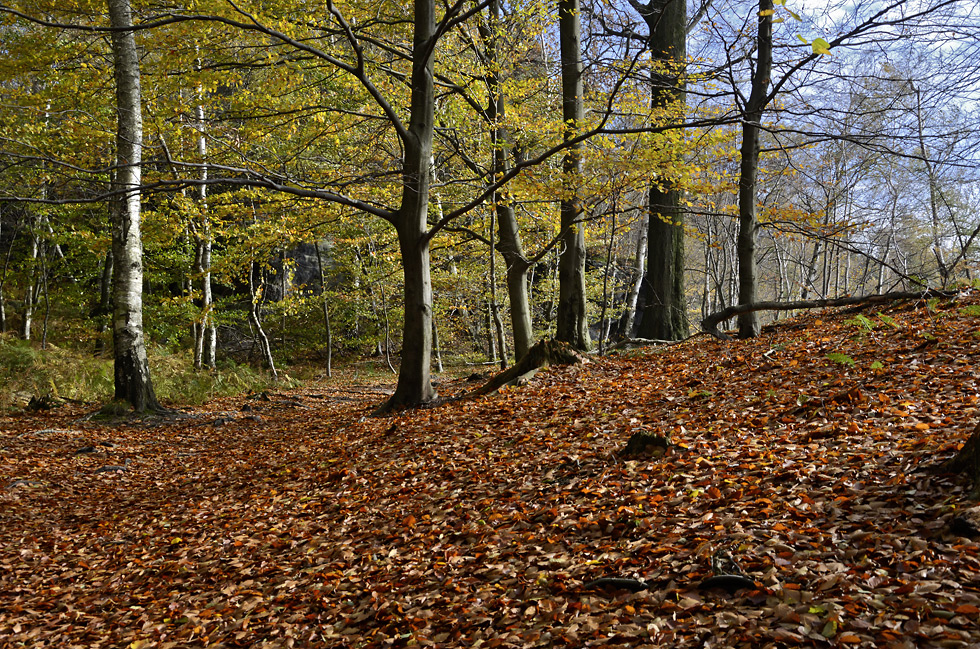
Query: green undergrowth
(27, 371)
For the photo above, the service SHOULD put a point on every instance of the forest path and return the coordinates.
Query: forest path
(294, 518)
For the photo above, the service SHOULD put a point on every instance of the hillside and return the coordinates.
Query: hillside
(294, 519)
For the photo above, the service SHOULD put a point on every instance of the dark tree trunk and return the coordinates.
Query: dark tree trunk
(104, 308)
(665, 301)
(573, 324)
(255, 320)
(748, 223)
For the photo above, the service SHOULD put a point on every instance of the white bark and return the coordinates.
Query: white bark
(132, 374)
(205, 333)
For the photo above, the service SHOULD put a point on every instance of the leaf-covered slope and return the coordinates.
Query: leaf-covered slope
(299, 521)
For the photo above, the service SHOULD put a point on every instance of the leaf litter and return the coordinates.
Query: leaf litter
(298, 520)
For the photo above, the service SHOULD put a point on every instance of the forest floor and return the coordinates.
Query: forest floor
(296, 519)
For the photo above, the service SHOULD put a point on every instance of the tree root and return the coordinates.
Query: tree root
(544, 353)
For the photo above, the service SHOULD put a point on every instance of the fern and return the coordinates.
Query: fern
(841, 359)
(888, 320)
(861, 322)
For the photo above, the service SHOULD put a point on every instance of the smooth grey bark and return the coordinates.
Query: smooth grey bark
(132, 370)
(809, 271)
(664, 295)
(489, 333)
(573, 324)
(603, 321)
(414, 379)
(512, 250)
(639, 268)
(498, 323)
(510, 245)
(748, 222)
(326, 309)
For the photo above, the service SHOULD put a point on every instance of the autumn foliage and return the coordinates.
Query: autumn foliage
(294, 519)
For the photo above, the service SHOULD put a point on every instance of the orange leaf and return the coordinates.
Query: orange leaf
(409, 522)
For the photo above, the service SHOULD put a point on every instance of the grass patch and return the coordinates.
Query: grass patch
(29, 372)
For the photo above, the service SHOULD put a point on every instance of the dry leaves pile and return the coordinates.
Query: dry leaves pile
(294, 520)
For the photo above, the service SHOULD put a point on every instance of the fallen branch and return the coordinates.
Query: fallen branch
(710, 324)
(630, 343)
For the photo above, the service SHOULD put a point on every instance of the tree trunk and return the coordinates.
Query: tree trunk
(934, 191)
(132, 370)
(810, 272)
(488, 332)
(27, 313)
(255, 319)
(326, 309)
(639, 267)
(496, 320)
(573, 324)
(603, 322)
(748, 223)
(510, 245)
(104, 306)
(435, 345)
(205, 333)
(665, 300)
(511, 248)
(414, 381)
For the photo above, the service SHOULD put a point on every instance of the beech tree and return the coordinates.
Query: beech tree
(663, 296)
(510, 245)
(748, 323)
(573, 323)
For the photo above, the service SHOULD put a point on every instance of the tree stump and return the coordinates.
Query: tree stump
(644, 444)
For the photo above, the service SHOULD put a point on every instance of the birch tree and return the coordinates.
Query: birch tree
(132, 370)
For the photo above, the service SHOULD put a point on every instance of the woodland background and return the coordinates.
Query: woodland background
(274, 154)
(220, 188)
